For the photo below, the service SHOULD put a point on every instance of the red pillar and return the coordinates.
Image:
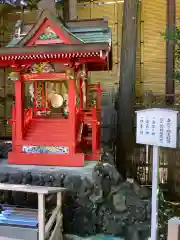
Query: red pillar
(13, 127)
(72, 113)
(35, 96)
(94, 131)
(19, 111)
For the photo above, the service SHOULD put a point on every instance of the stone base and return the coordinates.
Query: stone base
(10, 172)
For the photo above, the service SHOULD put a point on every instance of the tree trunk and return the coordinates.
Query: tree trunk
(70, 10)
(170, 82)
(126, 98)
(66, 11)
(170, 47)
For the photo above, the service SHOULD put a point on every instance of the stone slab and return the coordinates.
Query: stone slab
(85, 171)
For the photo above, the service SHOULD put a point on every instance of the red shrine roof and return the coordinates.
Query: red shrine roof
(51, 40)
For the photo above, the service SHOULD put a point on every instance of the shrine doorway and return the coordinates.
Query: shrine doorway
(47, 98)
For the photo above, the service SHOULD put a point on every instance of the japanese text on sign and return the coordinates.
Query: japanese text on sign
(157, 127)
(161, 131)
(168, 131)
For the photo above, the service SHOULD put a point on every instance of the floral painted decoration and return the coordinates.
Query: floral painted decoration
(48, 34)
(46, 149)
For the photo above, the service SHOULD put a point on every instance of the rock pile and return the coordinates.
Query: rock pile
(112, 206)
(108, 205)
(5, 147)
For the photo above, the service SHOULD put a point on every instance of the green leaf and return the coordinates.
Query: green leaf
(32, 4)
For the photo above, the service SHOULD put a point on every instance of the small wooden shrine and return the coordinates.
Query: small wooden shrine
(56, 116)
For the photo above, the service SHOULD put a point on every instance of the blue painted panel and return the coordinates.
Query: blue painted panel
(13, 217)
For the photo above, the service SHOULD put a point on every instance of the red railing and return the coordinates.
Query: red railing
(28, 114)
(91, 116)
(79, 125)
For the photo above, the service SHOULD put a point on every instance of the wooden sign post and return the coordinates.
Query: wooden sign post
(156, 127)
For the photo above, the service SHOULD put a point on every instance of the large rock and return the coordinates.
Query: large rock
(5, 147)
(109, 205)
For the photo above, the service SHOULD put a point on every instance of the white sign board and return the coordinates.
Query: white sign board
(157, 127)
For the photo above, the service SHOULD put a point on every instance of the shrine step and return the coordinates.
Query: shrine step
(45, 130)
(87, 140)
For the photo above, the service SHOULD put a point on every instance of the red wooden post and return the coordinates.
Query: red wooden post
(22, 106)
(13, 126)
(19, 110)
(35, 96)
(43, 94)
(94, 131)
(72, 111)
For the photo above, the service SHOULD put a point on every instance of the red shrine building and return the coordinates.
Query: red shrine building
(56, 116)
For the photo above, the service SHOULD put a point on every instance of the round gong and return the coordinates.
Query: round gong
(56, 100)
